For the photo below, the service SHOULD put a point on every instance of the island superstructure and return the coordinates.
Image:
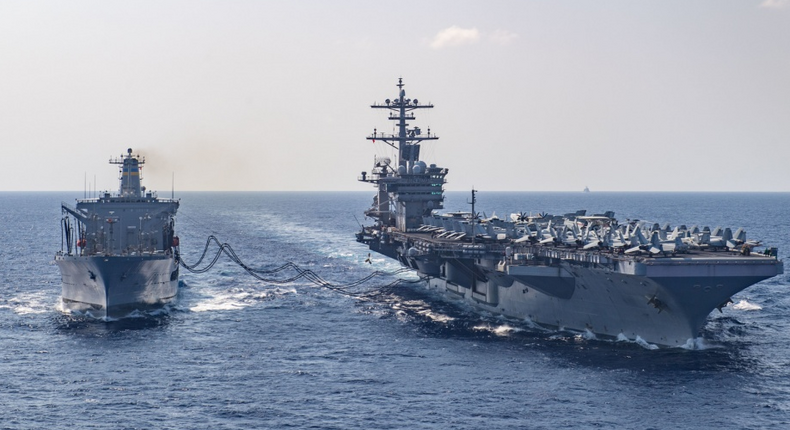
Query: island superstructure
(574, 271)
(118, 251)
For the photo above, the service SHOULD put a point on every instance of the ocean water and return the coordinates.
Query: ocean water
(234, 352)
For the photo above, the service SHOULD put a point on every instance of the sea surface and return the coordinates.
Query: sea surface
(233, 352)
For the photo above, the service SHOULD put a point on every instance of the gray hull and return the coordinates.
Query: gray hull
(661, 304)
(113, 286)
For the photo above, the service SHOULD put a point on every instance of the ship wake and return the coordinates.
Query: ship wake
(28, 303)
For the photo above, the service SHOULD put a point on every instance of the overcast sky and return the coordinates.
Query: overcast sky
(529, 95)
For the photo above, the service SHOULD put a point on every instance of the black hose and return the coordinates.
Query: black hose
(300, 273)
(67, 231)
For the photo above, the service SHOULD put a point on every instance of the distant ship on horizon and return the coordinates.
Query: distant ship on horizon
(586, 189)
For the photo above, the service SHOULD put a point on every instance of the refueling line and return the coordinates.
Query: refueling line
(300, 273)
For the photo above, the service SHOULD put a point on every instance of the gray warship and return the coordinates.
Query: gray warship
(117, 252)
(580, 272)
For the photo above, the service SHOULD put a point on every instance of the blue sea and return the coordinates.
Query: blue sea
(233, 352)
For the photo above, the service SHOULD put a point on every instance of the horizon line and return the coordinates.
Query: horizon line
(450, 191)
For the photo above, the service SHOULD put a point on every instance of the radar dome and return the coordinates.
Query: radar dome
(401, 170)
(417, 169)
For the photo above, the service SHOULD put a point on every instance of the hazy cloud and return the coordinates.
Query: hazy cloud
(775, 4)
(502, 37)
(455, 36)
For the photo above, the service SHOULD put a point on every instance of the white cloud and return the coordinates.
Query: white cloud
(502, 37)
(455, 36)
(775, 4)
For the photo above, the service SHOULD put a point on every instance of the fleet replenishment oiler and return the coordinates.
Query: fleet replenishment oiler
(118, 255)
(574, 271)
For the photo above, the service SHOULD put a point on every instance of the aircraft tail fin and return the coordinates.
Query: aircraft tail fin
(727, 234)
(641, 237)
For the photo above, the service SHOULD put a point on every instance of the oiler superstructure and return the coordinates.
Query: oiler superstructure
(118, 251)
(574, 271)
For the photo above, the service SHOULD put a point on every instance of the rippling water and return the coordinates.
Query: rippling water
(236, 353)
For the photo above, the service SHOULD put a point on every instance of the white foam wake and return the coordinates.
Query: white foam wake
(639, 341)
(499, 330)
(28, 303)
(744, 305)
(692, 344)
(697, 344)
(235, 299)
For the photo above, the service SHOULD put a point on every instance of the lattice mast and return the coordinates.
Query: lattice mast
(407, 140)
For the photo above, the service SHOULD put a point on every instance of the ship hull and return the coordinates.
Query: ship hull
(661, 307)
(113, 286)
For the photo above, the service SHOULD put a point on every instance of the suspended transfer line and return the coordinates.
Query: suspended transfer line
(309, 275)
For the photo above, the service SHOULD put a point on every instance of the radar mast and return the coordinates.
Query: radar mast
(412, 189)
(407, 140)
(131, 167)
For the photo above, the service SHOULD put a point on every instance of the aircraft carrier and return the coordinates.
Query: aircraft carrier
(117, 252)
(573, 271)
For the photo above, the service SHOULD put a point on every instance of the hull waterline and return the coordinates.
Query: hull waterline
(115, 286)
